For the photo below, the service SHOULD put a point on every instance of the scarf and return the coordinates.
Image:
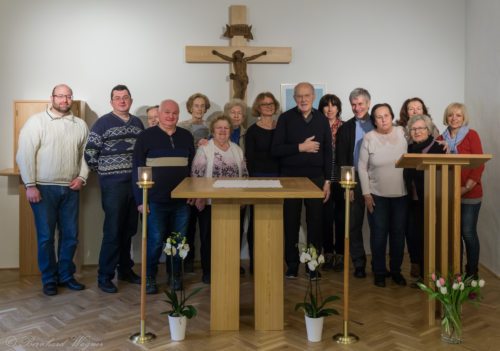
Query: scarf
(421, 148)
(334, 127)
(454, 142)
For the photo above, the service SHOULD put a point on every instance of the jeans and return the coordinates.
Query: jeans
(388, 219)
(59, 207)
(292, 209)
(120, 224)
(163, 219)
(468, 227)
(334, 215)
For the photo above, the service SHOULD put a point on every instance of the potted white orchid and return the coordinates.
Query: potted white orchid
(314, 307)
(179, 311)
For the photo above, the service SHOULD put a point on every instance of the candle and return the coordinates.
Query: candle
(348, 176)
(144, 176)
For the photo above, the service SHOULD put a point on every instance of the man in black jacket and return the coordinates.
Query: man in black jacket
(348, 143)
(302, 143)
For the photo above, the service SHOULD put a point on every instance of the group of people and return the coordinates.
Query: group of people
(56, 152)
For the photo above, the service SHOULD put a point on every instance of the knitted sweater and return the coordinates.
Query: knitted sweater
(170, 157)
(110, 147)
(377, 158)
(50, 149)
(291, 130)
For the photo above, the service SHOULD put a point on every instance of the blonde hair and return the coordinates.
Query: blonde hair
(456, 106)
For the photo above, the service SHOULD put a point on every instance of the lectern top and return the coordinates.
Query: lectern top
(202, 188)
(419, 161)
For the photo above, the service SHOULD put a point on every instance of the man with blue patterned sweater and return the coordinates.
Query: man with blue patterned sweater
(169, 150)
(109, 151)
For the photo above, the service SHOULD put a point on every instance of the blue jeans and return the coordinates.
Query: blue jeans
(120, 224)
(388, 219)
(163, 219)
(58, 207)
(468, 227)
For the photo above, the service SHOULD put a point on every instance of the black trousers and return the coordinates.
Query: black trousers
(292, 209)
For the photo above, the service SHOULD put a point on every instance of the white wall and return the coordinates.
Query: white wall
(395, 48)
(482, 96)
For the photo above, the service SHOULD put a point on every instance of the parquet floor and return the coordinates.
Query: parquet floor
(384, 319)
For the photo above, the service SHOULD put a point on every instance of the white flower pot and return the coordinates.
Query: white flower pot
(314, 327)
(177, 327)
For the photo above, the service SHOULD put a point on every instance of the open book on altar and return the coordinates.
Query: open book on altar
(247, 183)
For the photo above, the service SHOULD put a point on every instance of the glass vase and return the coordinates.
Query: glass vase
(451, 324)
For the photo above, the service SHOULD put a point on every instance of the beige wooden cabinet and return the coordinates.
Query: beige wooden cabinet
(28, 263)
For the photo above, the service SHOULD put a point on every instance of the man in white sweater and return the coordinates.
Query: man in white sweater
(50, 159)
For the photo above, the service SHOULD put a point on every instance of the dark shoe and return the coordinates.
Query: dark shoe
(338, 265)
(107, 286)
(130, 277)
(399, 279)
(291, 273)
(205, 278)
(379, 280)
(72, 284)
(242, 270)
(388, 274)
(314, 275)
(188, 266)
(50, 289)
(329, 262)
(415, 270)
(177, 285)
(359, 272)
(151, 287)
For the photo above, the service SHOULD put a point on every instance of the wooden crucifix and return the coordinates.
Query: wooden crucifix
(238, 53)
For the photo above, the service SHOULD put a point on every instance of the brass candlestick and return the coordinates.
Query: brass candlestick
(347, 182)
(145, 183)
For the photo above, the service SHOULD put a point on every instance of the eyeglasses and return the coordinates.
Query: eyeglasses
(62, 96)
(268, 104)
(417, 129)
(121, 98)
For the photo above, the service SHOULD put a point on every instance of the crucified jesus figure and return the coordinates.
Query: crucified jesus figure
(239, 77)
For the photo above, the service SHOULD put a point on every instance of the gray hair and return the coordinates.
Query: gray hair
(426, 119)
(236, 102)
(359, 92)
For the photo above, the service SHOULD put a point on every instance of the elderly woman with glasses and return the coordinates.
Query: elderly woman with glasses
(420, 129)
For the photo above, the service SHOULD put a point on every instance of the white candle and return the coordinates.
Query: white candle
(348, 176)
(144, 176)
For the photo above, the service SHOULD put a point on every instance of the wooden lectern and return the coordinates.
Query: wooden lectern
(441, 211)
(268, 247)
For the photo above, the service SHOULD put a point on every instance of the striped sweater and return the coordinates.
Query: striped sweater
(110, 147)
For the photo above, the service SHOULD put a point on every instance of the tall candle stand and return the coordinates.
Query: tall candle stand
(347, 182)
(145, 183)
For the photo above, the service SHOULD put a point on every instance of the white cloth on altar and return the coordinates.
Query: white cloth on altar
(247, 183)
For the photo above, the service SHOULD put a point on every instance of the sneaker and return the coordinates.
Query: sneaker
(151, 287)
(50, 289)
(338, 265)
(130, 277)
(398, 279)
(291, 273)
(107, 286)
